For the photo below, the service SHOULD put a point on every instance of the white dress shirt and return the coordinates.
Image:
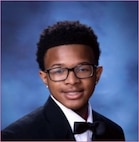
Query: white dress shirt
(74, 117)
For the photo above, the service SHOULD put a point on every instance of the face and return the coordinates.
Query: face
(73, 92)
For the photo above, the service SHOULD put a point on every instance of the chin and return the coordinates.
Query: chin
(76, 106)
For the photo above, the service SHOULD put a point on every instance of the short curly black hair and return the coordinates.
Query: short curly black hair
(66, 32)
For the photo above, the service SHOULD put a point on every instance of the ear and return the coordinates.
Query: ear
(43, 76)
(98, 73)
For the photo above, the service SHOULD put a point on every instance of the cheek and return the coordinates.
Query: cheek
(54, 87)
(89, 85)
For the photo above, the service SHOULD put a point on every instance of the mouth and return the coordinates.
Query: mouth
(73, 94)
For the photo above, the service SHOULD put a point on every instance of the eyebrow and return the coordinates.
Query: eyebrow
(56, 65)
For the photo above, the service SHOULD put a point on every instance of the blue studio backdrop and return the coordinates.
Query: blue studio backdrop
(115, 24)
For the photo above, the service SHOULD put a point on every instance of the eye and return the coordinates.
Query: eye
(57, 71)
(83, 69)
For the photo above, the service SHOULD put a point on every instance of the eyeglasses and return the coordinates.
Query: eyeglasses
(81, 71)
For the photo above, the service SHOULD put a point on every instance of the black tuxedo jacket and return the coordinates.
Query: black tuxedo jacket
(48, 123)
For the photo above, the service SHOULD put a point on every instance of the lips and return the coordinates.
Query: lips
(73, 94)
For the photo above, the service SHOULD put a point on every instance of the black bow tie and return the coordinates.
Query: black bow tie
(98, 128)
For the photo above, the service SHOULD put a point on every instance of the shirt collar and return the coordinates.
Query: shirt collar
(72, 116)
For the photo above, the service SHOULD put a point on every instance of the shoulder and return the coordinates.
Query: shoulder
(99, 117)
(29, 118)
(25, 125)
(112, 129)
(42, 123)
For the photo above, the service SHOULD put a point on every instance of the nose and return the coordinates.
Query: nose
(72, 79)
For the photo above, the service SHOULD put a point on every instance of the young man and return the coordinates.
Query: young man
(68, 56)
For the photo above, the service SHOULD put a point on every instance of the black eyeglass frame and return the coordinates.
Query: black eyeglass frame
(71, 69)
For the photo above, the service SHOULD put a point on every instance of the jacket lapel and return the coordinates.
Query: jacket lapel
(59, 124)
(104, 135)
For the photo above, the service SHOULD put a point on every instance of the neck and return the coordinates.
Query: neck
(83, 112)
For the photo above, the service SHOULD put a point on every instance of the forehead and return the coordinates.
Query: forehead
(68, 55)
